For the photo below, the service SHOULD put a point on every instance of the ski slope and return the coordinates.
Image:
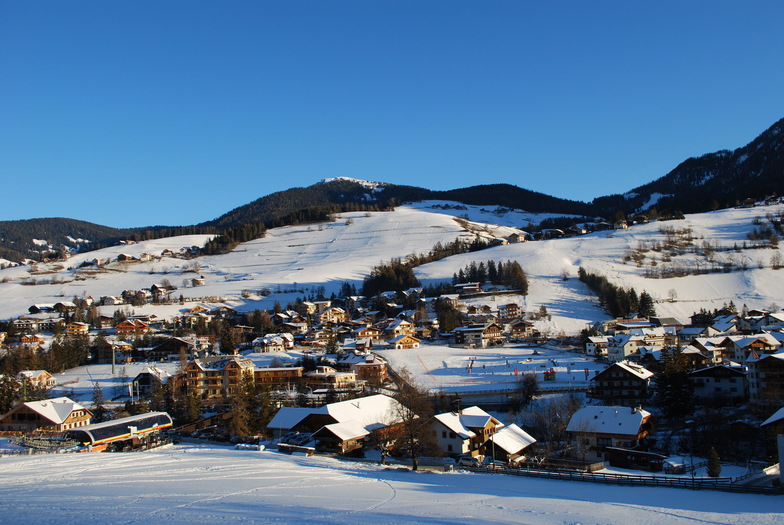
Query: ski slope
(199, 484)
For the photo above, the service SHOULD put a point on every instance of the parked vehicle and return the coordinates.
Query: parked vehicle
(469, 461)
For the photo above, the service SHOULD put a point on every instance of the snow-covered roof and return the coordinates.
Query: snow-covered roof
(402, 338)
(452, 421)
(513, 439)
(607, 420)
(637, 370)
(710, 370)
(777, 416)
(55, 410)
(765, 337)
(31, 374)
(161, 374)
(471, 417)
(692, 330)
(371, 412)
(287, 417)
(344, 431)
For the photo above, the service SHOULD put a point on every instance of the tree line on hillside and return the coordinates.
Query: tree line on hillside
(618, 301)
(509, 274)
(398, 274)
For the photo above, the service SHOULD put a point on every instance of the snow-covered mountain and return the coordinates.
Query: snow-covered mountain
(293, 261)
(715, 180)
(712, 181)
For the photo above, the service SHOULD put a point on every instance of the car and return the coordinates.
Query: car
(468, 461)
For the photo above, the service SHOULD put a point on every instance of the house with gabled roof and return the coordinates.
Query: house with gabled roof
(596, 345)
(478, 335)
(775, 424)
(131, 327)
(508, 311)
(766, 378)
(602, 427)
(719, 382)
(37, 378)
(689, 333)
(404, 342)
(332, 314)
(397, 327)
(464, 432)
(366, 332)
(172, 348)
(31, 341)
(739, 347)
(368, 367)
(149, 379)
(77, 328)
(725, 324)
(620, 347)
(522, 329)
(273, 342)
(622, 383)
(772, 321)
(509, 444)
(344, 426)
(714, 348)
(48, 415)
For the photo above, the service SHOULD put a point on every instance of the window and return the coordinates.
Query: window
(443, 435)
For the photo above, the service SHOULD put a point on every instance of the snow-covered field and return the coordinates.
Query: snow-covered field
(435, 367)
(474, 370)
(294, 261)
(193, 484)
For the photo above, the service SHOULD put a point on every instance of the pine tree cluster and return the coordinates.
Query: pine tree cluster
(617, 301)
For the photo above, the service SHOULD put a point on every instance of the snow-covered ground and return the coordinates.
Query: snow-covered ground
(474, 370)
(192, 484)
(79, 383)
(294, 261)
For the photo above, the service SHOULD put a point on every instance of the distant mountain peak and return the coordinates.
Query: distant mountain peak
(720, 179)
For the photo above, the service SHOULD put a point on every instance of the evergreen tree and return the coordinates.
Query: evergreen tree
(448, 317)
(98, 410)
(674, 391)
(647, 308)
(492, 272)
(10, 392)
(241, 401)
(714, 463)
(515, 278)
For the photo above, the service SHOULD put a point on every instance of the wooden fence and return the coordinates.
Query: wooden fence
(723, 484)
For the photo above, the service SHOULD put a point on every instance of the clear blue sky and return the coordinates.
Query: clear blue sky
(161, 112)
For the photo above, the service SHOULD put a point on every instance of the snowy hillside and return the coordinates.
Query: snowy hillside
(192, 484)
(293, 261)
(568, 301)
